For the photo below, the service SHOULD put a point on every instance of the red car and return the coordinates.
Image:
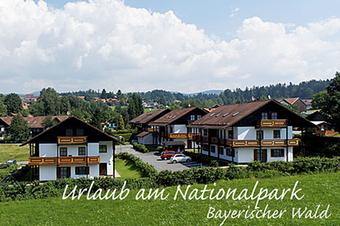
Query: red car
(167, 154)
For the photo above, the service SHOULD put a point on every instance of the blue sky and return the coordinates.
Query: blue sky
(215, 17)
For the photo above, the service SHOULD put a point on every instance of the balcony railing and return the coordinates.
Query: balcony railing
(273, 123)
(67, 160)
(72, 140)
(264, 143)
(151, 130)
(181, 135)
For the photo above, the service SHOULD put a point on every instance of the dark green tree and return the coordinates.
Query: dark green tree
(135, 106)
(19, 130)
(3, 108)
(49, 122)
(13, 103)
(329, 102)
(51, 101)
(120, 123)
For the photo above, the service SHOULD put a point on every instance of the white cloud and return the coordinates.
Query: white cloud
(234, 12)
(106, 44)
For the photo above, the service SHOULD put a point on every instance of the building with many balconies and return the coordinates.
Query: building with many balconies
(71, 149)
(173, 126)
(243, 133)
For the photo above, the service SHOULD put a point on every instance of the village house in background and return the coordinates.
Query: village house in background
(243, 133)
(295, 103)
(173, 126)
(35, 124)
(71, 149)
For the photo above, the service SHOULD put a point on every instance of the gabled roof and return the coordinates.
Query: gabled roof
(228, 115)
(147, 117)
(293, 100)
(71, 118)
(34, 122)
(173, 116)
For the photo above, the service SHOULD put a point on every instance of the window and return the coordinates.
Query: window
(199, 117)
(80, 132)
(63, 151)
(274, 115)
(63, 172)
(82, 170)
(69, 132)
(276, 134)
(205, 132)
(81, 151)
(277, 153)
(102, 148)
(192, 117)
(259, 135)
(264, 115)
(221, 151)
(230, 134)
(212, 149)
(229, 152)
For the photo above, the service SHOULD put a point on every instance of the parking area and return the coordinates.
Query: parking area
(153, 159)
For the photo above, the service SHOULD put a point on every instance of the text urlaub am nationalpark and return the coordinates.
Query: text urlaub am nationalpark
(256, 196)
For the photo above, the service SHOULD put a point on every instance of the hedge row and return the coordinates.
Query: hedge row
(205, 159)
(21, 190)
(145, 169)
(140, 147)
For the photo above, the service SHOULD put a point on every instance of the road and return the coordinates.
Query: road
(154, 159)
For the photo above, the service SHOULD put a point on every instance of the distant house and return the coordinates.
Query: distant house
(308, 103)
(173, 126)
(145, 135)
(296, 103)
(320, 120)
(71, 149)
(36, 124)
(243, 133)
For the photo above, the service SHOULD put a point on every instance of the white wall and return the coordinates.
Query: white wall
(245, 133)
(148, 139)
(47, 173)
(179, 129)
(107, 157)
(48, 150)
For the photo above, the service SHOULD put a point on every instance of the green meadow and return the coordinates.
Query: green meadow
(323, 189)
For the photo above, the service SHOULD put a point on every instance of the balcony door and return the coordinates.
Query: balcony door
(260, 155)
(63, 172)
(102, 169)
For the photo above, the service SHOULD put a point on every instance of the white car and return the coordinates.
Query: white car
(180, 158)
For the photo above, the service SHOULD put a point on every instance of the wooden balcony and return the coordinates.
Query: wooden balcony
(78, 160)
(72, 140)
(264, 143)
(181, 136)
(151, 130)
(273, 123)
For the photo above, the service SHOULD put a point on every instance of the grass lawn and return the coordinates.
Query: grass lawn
(13, 151)
(126, 169)
(318, 189)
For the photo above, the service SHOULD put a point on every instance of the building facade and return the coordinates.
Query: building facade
(174, 126)
(71, 149)
(243, 133)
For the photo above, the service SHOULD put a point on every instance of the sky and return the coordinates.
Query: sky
(187, 46)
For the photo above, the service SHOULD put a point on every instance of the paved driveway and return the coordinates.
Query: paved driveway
(155, 160)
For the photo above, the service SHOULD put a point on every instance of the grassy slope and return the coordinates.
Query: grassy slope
(319, 188)
(13, 151)
(126, 170)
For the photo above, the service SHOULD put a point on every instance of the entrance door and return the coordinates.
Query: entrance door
(260, 155)
(102, 169)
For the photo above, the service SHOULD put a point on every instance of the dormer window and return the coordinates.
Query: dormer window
(274, 115)
(69, 132)
(264, 115)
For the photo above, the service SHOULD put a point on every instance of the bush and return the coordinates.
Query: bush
(23, 190)
(207, 160)
(140, 147)
(146, 169)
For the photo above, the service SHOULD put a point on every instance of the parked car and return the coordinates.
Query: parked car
(11, 162)
(167, 154)
(180, 158)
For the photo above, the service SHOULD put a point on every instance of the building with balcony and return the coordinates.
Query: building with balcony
(71, 149)
(243, 133)
(146, 134)
(173, 126)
